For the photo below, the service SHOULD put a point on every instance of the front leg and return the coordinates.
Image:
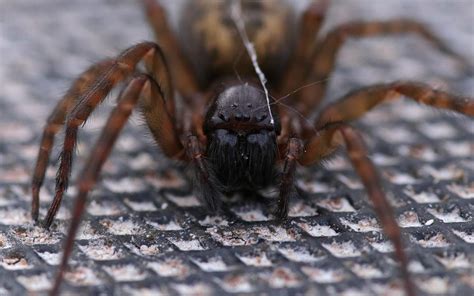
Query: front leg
(205, 184)
(323, 144)
(75, 108)
(54, 124)
(140, 88)
(294, 151)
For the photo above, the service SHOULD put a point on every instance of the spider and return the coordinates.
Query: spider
(234, 136)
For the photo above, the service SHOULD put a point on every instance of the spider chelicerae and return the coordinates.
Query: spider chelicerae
(233, 138)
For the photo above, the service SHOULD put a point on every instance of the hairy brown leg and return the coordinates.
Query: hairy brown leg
(324, 58)
(360, 101)
(311, 23)
(294, 151)
(183, 75)
(160, 121)
(141, 88)
(205, 183)
(323, 144)
(54, 124)
(157, 66)
(107, 77)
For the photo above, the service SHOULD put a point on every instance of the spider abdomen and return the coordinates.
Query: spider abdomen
(209, 35)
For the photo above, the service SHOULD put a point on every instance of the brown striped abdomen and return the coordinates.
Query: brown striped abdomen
(214, 47)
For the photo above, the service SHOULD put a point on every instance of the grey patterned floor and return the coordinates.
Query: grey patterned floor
(144, 232)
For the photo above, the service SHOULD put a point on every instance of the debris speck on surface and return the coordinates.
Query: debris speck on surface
(342, 249)
(35, 283)
(125, 273)
(82, 276)
(101, 250)
(170, 268)
(323, 275)
(282, 278)
(259, 259)
(236, 284)
(188, 245)
(337, 204)
(435, 285)
(211, 265)
(409, 219)
(433, 241)
(14, 262)
(318, 230)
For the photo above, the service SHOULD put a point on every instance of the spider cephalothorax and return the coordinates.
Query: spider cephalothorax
(243, 140)
(242, 146)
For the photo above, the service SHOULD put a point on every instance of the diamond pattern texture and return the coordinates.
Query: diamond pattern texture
(144, 233)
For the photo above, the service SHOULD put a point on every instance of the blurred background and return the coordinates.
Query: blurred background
(45, 44)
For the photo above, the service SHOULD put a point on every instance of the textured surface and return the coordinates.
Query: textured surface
(144, 231)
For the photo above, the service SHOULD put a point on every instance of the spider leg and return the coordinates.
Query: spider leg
(205, 184)
(186, 82)
(311, 22)
(358, 102)
(156, 64)
(294, 150)
(332, 133)
(106, 76)
(323, 144)
(54, 124)
(140, 88)
(160, 121)
(324, 58)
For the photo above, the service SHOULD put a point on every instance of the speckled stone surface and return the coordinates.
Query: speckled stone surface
(144, 233)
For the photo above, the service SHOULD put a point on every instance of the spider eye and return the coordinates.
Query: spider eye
(226, 137)
(261, 138)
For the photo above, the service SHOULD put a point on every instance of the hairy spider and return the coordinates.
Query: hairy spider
(233, 135)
